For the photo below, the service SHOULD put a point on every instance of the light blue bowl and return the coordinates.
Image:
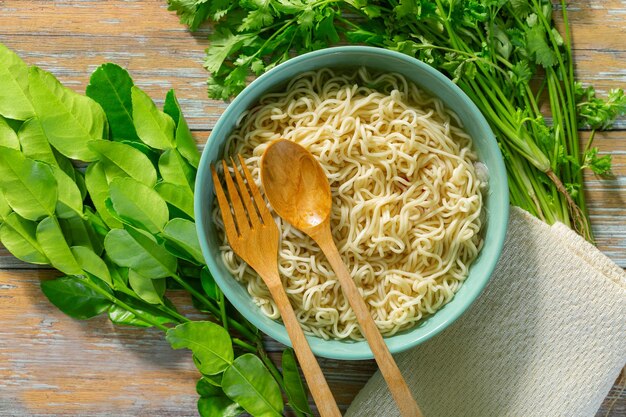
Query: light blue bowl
(497, 201)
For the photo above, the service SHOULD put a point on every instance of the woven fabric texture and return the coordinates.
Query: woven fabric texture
(546, 338)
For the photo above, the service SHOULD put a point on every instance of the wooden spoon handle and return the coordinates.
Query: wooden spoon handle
(326, 404)
(388, 367)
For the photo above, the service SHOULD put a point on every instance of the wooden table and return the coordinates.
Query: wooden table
(53, 365)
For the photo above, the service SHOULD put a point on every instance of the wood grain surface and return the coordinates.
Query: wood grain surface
(53, 365)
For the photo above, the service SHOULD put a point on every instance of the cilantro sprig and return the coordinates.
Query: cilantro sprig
(507, 55)
(251, 37)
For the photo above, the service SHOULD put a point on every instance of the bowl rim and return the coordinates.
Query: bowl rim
(472, 293)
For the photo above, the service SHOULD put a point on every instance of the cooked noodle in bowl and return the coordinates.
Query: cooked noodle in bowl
(407, 199)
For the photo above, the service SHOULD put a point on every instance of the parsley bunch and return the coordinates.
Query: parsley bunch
(506, 55)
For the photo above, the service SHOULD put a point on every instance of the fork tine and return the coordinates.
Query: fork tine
(222, 201)
(235, 200)
(258, 199)
(245, 195)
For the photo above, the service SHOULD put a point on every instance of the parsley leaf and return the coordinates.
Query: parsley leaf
(223, 44)
(257, 19)
(194, 12)
(597, 113)
(600, 165)
(538, 47)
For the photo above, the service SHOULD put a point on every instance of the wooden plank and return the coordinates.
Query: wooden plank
(51, 364)
(144, 377)
(54, 365)
(606, 198)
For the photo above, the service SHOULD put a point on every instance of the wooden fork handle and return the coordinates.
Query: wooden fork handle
(387, 365)
(326, 404)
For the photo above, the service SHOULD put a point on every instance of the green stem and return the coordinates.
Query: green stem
(270, 364)
(222, 304)
(518, 140)
(531, 102)
(555, 108)
(589, 141)
(273, 370)
(244, 345)
(580, 198)
(173, 313)
(163, 308)
(122, 304)
(503, 102)
(213, 309)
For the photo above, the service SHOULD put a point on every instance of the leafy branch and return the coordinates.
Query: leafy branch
(121, 229)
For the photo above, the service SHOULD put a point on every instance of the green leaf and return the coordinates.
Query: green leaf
(182, 236)
(256, 19)
(538, 47)
(215, 380)
(79, 232)
(181, 198)
(14, 100)
(126, 159)
(207, 388)
(194, 12)
(223, 44)
(218, 406)
(97, 224)
(600, 165)
(176, 170)
(70, 200)
(249, 383)
(294, 387)
(209, 285)
(110, 86)
(149, 290)
(598, 113)
(55, 247)
(185, 142)
(8, 137)
(98, 188)
(209, 342)
(65, 164)
(121, 316)
(133, 249)
(154, 127)
(5, 209)
(138, 204)
(521, 8)
(34, 142)
(326, 29)
(119, 276)
(29, 186)
(18, 235)
(190, 12)
(90, 262)
(74, 298)
(152, 154)
(79, 179)
(172, 107)
(68, 119)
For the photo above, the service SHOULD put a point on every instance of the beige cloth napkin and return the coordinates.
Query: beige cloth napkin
(546, 338)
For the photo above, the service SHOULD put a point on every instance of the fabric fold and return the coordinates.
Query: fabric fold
(546, 338)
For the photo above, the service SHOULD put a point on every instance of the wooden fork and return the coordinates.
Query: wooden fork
(253, 235)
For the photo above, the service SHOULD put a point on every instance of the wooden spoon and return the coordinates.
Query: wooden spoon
(298, 190)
